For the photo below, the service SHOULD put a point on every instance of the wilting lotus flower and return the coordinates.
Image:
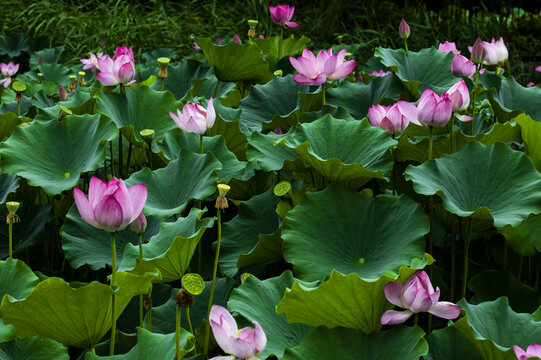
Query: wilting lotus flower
(325, 67)
(282, 14)
(403, 29)
(8, 70)
(194, 118)
(116, 71)
(462, 66)
(92, 62)
(380, 73)
(110, 206)
(532, 351)
(394, 118)
(62, 94)
(434, 110)
(496, 52)
(244, 343)
(448, 47)
(416, 295)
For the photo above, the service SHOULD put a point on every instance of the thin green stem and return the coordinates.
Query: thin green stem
(324, 90)
(467, 236)
(406, 44)
(140, 237)
(188, 320)
(200, 204)
(430, 131)
(177, 333)
(415, 319)
(113, 286)
(129, 159)
(214, 271)
(18, 109)
(149, 312)
(92, 350)
(10, 231)
(473, 97)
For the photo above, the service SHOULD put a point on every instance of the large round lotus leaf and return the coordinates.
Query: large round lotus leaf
(176, 140)
(341, 301)
(33, 348)
(256, 300)
(277, 97)
(524, 239)
(449, 343)
(290, 46)
(345, 152)
(77, 317)
(56, 73)
(234, 62)
(191, 176)
(60, 151)
(14, 45)
(357, 97)
(400, 342)
(475, 182)
(171, 250)
(180, 76)
(268, 249)
(16, 279)
(510, 99)
(493, 327)
(428, 68)
(375, 235)
(241, 234)
(138, 109)
(84, 244)
(210, 86)
(531, 136)
(153, 346)
(47, 55)
(491, 284)
(269, 157)
(8, 122)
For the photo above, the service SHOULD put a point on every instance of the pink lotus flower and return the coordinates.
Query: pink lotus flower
(139, 225)
(395, 118)
(195, 46)
(448, 47)
(325, 67)
(434, 110)
(278, 130)
(478, 52)
(462, 66)
(62, 94)
(92, 62)
(8, 70)
(530, 84)
(380, 73)
(403, 29)
(119, 70)
(538, 68)
(110, 206)
(244, 343)
(282, 14)
(532, 351)
(460, 96)
(122, 50)
(416, 295)
(194, 118)
(496, 52)
(261, 36)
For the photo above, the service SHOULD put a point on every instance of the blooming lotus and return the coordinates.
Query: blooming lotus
(496, 52)
(92, 62)
(110, 206)
(403, 29)
(393, 118)
(448, 47)
(8, 70)
(119, 70)
(325, 67)
(122, 50)
(194, 118)
(416, 295)
(462, 66)
(244, 343)
(434, 110)
(532, 351)
(282, 14)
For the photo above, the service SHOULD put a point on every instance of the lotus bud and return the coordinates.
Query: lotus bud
(12, 206)
(478, 52)
(139, 225)
(237, 39)
(221, 201)
(62, 94)
(163, 61)
(40, 61)
(81, 80)
(102, 43)
(404, 29)
(40, 77)
(71, 86)
(278, 130)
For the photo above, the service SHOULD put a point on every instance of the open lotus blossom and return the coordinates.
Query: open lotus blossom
(110, 206)
(8, 70)
(380, 73)
(325, 67)
(92, 62)
(448, 47)
(434, 110)
(416, 295)
(496, 52)
(116, 71)
(244, 343)
(394, 118)
(532, 351)
(282, 14)
(462, 66)
(194, 118)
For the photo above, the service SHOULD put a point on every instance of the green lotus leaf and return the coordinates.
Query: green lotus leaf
(524, 239)
(8, 122)
(269, 157)
(14, 45)
(342, 300)
(10, 105)
(8, 184)
(277, 97)
(349, 153)
(180, 76)
(234, 62)
(47, 55)
(510, 99)
(428, 68)
(138, 109)
(400, 342)
(493, 328)
(60, 151)
(357, 98)
(231, 129)
(376, 234)
(175, 140)
(241, 234)
(211, 87)
(56, 73)
(491, 284)
(83, 244)
(290, 46)
(531, 136)
(47, 88)
(191, 176)
(449, 343)
(475, 182)
(268, 248)
(77, 317)
(41, 100)
(153, 346)
(171, 250)
(255, 300)
(33, 348)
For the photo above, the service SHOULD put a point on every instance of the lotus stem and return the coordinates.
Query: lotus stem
(177, 333)
(467, 236)
(188, 320)
(18, 109)
(129, 159)
(120, 153)
(140, 238)
(406, 44)
(213, 284)
(323, 90)
(473, 97)
(10, 233)
(113, 285)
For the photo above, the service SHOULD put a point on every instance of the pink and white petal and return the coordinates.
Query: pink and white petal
(538, 68)
(95, 190)
(211, 114)
(408, 110)
(230, 357)
(393, 317)
(108, 214)
(375, 114)
(126, 73)
(3, 81)
(308, 55)
(260, 338)
(307, 67)
(138, 195)
(224, 319)
(464, 118)
(519, 353)
(445, 310)
(534, 349)
(343, 70)
(393, 292)
(244, 344)
(8, 81)
(85, 210)
(386, 124)
(341, 55)
(425, 281)
(443, 112)
(107, 79)
(292, 24)
(425, 110)
(422, 302)
(304, 80)
(321, 58)
(330, 66)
